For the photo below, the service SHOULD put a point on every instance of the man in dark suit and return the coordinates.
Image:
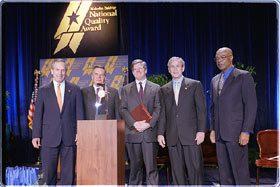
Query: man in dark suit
(58, 108)
(183, 121)
(109, 104)
(233, 112)
(140, 136)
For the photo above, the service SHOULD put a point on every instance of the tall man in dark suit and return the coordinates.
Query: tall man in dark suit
(58, 108)
(140, 136)
(109, 103)
(233, 112)
(183, 121)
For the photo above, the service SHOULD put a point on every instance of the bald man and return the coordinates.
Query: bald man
(233, 112)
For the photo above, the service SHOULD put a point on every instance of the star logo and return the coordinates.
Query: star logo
(68, 32)
(73, 18)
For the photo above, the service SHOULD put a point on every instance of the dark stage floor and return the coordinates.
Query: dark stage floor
(211, 176)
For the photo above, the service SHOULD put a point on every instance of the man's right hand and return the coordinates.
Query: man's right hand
(161, 140)
(36, 142)
(212, 137)
(140, 126)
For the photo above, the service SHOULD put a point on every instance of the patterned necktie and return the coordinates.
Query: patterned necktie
(59, 97)
(176, 91)
(141, 92)
(221, 83)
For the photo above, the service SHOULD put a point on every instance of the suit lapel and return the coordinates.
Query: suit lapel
(184, 88)
(228, 81)
(67, 94)
(92, 99)
(216, 84)
(170, 92)
(92, 95)
(134, 92)
(53, 97)
(147, 92)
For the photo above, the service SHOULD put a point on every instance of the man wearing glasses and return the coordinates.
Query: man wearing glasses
(233, 112)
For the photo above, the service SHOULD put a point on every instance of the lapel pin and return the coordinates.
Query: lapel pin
(69, 91)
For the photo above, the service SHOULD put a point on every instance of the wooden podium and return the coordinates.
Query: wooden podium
(100, 152)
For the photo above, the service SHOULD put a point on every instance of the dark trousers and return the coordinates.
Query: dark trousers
(140, 153)
(50, 157)
(233, 163)
(186, 164)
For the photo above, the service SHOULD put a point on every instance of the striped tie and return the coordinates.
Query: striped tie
(59, 97)
(221, 83)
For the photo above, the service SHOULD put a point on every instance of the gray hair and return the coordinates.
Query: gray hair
(58, 60)
(138, 61)
(175, 58)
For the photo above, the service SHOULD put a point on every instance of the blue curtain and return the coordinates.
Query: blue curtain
(194, 31)
(153, 32)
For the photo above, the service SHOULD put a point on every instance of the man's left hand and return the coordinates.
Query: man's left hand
(244, 138)
(199, 137)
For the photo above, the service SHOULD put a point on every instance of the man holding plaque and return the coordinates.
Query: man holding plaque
(183, 121)
(140, 108)
(100, 100)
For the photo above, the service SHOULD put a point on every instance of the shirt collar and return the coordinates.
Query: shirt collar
(56, 83)
(178, 80)
(143, 81)
(228, 72)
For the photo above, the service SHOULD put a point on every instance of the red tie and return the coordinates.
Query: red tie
(141, 92)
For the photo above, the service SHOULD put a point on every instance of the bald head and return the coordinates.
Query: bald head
(224, 49)
(224, 58)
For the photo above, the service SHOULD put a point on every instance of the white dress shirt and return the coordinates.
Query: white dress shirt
(62, 89)
(143, 84)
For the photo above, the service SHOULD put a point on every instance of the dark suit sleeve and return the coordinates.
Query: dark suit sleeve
(117, 104)
(79, 106)
(38, 116)
(129, 121)
(156, 109)
(162, 118)
(250, 102)
(200, 103)
(83, 91)
(212, 119)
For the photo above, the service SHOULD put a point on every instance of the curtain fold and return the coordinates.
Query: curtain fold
(153, 32)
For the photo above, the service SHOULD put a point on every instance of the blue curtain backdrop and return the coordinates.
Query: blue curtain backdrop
(153, 32)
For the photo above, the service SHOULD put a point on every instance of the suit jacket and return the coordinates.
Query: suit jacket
(185, 120)
(53, 126)
(129, 100)
(111, 103)
(234, 110)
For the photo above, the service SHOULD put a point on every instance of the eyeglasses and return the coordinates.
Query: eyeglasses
(221, 57)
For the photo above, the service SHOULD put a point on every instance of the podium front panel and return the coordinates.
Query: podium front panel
(100, 152)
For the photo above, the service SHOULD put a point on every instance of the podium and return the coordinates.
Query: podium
(100, 152)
